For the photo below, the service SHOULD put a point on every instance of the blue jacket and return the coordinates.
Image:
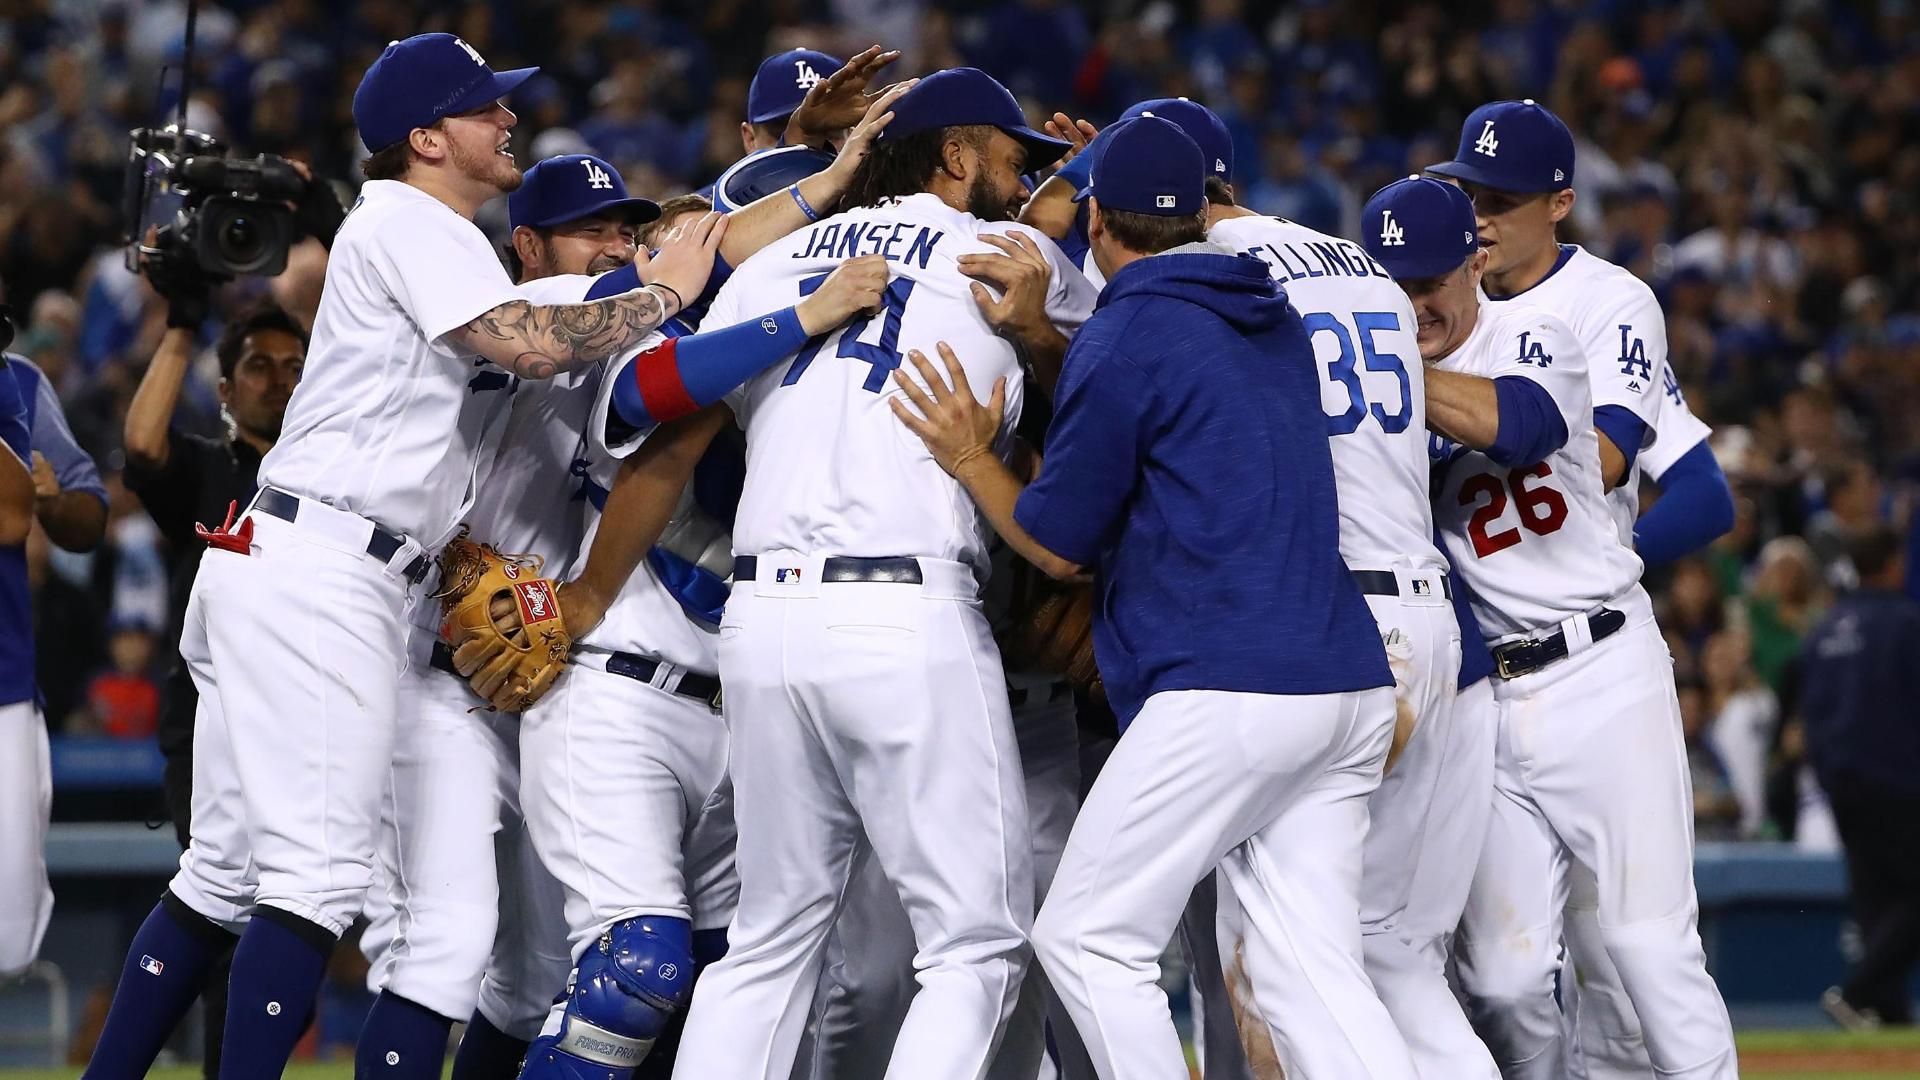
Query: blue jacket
(1188, 465)
(1859, 679)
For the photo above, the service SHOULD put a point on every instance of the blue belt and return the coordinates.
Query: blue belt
(897, 569)
(381, 545)
(702, 688)
(1387, 583)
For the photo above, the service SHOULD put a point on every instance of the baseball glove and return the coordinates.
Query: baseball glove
(498, 610)
(1055, 634)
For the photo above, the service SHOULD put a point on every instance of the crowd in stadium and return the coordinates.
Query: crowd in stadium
(1757, 162)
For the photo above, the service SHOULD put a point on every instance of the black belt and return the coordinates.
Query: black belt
(381, 545)
(1387, 583)
(897, 569)
(701, 688)
(1517, 658)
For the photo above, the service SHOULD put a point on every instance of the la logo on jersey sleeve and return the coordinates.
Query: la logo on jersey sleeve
(1533, 353)
(1633, 355)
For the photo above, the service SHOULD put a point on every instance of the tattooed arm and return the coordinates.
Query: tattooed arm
(539, 341)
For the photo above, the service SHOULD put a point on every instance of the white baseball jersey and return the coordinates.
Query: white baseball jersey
(829, 467)
(388, 422)
(645, 618)
(1362, 327)
(1623, 334)
(1537, 543)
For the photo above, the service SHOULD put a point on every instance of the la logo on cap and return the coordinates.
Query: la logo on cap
(804, 76)
(1391, 234)
(1487, 144)
(471, 51)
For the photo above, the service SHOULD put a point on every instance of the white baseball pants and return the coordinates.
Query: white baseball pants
(26, 801)
(625, 795)
(296, 650)
(866, 983)
(1591, 769)
(1604, 1041)
(867, 713)
(1273, 790)
(1428, 820)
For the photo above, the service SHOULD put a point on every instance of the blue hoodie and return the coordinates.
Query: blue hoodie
(1187, 464)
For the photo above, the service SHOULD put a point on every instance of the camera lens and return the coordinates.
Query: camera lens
(239, 236)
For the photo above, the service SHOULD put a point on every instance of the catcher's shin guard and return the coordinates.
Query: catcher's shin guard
(626, 989)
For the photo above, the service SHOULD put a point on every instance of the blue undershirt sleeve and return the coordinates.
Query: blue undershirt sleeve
(1695, 507)
(1530, 422)
(1624, 429)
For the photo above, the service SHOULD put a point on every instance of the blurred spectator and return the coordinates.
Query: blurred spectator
(1716, 812)
(1853, 506)
(122, 701)
(1742, 717)
(1787, 597)
(1859, 676)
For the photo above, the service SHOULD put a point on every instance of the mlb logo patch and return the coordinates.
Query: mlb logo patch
(151, 966)
(787, 575)
(1422, 587)
(1164, 202)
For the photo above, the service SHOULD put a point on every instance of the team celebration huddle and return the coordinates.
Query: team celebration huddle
(851, 622)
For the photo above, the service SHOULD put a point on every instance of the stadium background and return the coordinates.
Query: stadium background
(1757, 162)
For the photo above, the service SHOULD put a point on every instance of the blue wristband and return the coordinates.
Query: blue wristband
(801, 201)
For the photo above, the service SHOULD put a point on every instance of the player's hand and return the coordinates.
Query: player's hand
(1022, 275)
(855, 286)
(860, 140)
(838, 101)
(45, 484)
(956, 427)
(685, 259)
(1078, 134)
(581, 607)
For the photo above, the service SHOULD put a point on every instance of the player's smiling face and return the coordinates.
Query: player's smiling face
(591, 245)
(479, 145)
(996, 193)
(1445, 308)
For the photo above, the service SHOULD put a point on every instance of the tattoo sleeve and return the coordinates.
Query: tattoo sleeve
(541, 341)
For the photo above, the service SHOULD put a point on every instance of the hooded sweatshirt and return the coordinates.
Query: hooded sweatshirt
(1187, 465)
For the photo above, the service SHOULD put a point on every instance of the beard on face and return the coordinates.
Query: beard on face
(490, 168)
(985, 202)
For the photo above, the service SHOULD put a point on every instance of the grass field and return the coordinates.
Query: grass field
(1764, 1055)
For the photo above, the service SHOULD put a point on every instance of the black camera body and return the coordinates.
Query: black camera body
(188, 203)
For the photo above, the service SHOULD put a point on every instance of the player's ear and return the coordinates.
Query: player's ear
(429, 142)
(1560, 204)
(746, 137)
(526, 244)
(1477, 264)
(958, 157)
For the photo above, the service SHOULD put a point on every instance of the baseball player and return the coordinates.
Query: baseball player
(453, 796)
(26, 799)
(1590, 769)
(298, 613)
(1363, 332)
(867, 703)
(1516, 161)
(1236, 751)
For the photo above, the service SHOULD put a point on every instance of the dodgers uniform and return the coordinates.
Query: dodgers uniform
(865, 696)
(1362, 327)
(1590, 767)
(26, 787)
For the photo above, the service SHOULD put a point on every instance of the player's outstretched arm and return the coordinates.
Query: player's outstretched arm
(960, 432)
(838, 101)
(639, 504)
(1024, 278)
(680, 376)
(771, 217)
(539, 341)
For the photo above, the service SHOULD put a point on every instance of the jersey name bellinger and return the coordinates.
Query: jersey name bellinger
(1340, 259)
(845, 240)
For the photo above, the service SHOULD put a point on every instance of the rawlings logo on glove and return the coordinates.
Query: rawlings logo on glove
(503, 622)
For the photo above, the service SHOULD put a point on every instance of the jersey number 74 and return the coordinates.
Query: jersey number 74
(883, 355)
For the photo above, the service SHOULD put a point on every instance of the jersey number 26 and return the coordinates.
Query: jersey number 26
(1542, 509)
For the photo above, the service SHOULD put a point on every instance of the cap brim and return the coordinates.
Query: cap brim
(1042, 150)
(633, 211)
(492, 90)
(1474, 174)
(1405, 269)
(765, 116)
(1084, 193)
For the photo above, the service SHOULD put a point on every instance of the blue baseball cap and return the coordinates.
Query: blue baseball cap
(1148, 166)
(571, 187)
(1200, 123)
(423, 79)
(1419, 228)
(1513, 146)
(967, 95)
(782, 82)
